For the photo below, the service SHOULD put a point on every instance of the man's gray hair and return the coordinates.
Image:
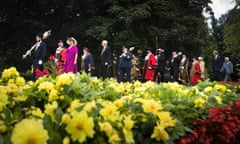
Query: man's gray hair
(105, 41)
(216, 52)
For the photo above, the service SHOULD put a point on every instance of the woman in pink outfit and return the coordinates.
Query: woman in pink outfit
(71, 56)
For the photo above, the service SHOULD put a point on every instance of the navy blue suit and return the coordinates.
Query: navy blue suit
(39, 57)
(88, 61)
(216, 67)
(125, 64)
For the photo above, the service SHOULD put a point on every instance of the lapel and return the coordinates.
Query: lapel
(104, 50)
(38, 49)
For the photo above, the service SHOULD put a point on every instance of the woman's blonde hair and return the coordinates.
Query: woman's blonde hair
(72, 39)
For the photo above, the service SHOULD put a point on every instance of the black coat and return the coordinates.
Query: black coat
(39, 54)
(175, 62)
(161, 62)
(217, 64)
(106, 56)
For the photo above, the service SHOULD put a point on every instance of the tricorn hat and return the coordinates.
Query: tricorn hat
(150, 49)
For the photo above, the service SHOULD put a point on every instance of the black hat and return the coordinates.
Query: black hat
(150, 49)
(60, 41)
(39, 35)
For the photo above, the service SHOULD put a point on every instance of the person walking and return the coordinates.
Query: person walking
(150, 65)
(39, 55)
(87, 63)
(125, 64)
(202, 66)
(71, 56)
(216, 66)
(160, 57)
(60, 57)
(196, 71)
(106, 58)
(175, 62)
(227, 69)
(183, 70)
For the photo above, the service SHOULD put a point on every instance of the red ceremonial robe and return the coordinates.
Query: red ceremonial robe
(196, 73)
(150, 66)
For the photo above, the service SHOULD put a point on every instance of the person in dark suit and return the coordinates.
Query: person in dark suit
(125, 64)
(39, 54)
(216, 66)
(87, 64)
(106, 58)
(175, 62)
(160, 57)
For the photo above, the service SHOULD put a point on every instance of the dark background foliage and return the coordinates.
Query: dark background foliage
(170, 24)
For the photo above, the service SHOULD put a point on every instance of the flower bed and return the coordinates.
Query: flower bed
(82, 109)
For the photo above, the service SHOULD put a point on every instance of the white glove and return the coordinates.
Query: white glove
(28, 52)
(179, 53)
(40, 62)
(106, 63)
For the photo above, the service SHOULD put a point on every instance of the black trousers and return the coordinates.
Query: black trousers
(105, 71)
(122, 72)
(157, 71)
(216, 75)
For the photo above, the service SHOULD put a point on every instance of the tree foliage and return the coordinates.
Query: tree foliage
(231, 31)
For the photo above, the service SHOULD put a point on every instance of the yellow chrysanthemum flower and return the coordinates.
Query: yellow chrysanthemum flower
(20, 81)
(20, 98)
(159, 133)
(208, 90)
(11, 81)
(66, 140)
(106, 127)
(3, 98)
(64, 79)
(37, 113)
(53, 95)
(220, 88)
(12, 89)
(218, 99)
(118, 103)
(47, 86)
(50, 108)
(109, 112)
(127, 129)
(185, 92)
(65, 119)
(62, 97)
(80, 127)
(151, 106)
(29, 131)
(166, 120)
(3, 127)
(10, 73)
(89, 106)
(74, 104)
(114, 138)
(199, 103)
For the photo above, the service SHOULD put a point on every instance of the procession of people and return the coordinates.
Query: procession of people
(158, 68)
